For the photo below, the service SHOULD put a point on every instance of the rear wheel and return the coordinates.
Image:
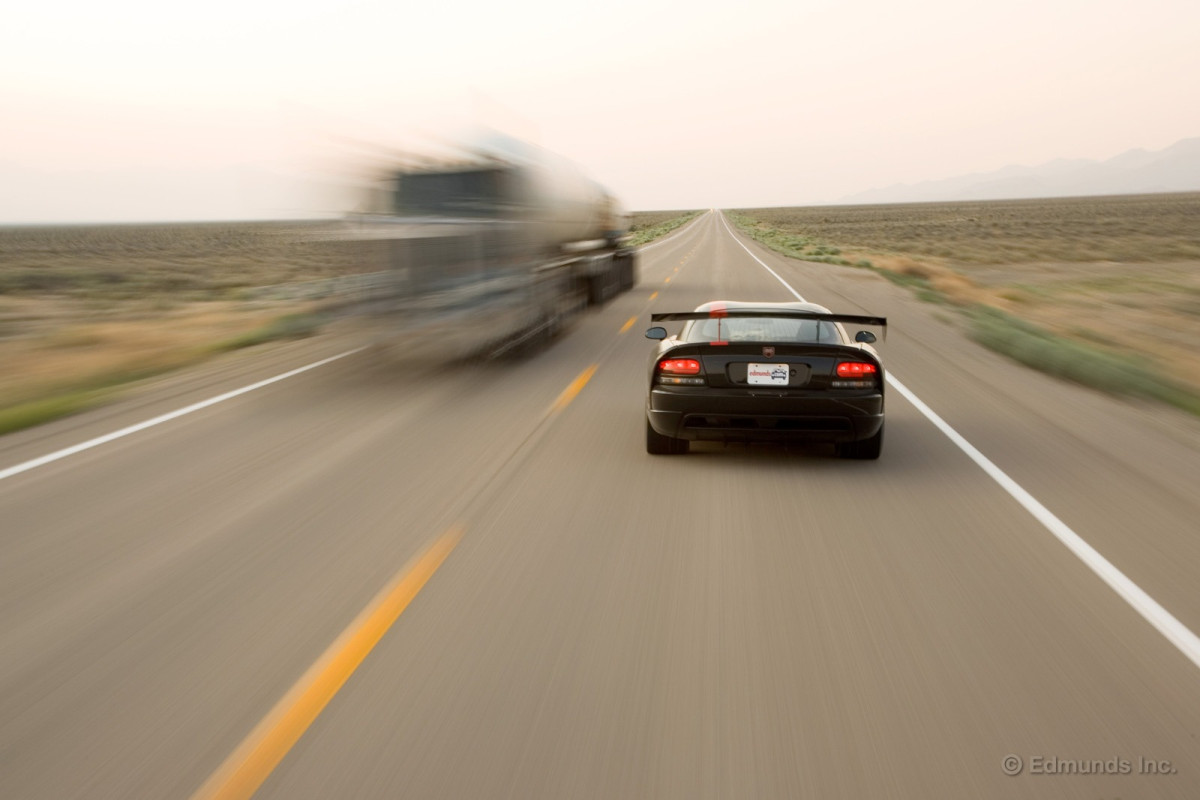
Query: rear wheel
(659, 445)
(625, 273)
(863, 448)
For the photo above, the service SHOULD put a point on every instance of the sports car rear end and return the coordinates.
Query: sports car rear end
(728, 390)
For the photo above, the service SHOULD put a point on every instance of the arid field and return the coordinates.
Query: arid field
(1117, 278)
(647, 226)
(88, 309)
(84, 309)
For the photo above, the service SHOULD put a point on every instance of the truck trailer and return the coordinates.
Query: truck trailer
(495, 249)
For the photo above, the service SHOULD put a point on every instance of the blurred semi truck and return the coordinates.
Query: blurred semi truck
(493, 248)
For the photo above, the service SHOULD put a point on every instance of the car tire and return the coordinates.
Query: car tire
(659, 445)
(866, 449)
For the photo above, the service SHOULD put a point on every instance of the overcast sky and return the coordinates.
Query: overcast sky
(223, 109)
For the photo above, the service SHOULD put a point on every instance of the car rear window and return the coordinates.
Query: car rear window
(761, 329)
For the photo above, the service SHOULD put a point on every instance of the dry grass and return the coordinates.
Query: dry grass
(650, 225)
(1128, 229)
(84, 309)
(73, 354)
(176, 262)
(1109, 273)
(648, 219)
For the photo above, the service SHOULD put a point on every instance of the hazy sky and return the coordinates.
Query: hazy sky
(131, 110)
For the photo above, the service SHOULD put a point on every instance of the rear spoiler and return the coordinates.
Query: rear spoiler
(854, 319)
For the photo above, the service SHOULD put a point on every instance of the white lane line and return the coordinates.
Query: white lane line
(161, 418)
(1163, 621)
(759, 260)
(1166, 624)
(108, 437)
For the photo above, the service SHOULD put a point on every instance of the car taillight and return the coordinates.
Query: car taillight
(861, 375)
(855, 369)
(680, 366)
(679, 372)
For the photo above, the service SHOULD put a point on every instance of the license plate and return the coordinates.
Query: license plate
(767, 374)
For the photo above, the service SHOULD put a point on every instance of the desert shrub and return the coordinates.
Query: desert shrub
(1075, 361)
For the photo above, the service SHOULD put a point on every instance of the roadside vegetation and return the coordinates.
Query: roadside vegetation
(30, 402)
(89, 311)
(86, 312)
(1080, 288)
(650, 225)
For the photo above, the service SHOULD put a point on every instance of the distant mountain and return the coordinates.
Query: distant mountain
(1175, 169)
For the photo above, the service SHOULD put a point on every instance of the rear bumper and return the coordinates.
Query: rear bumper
(708, 416)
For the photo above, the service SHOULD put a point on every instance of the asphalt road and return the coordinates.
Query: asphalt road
(739, 622)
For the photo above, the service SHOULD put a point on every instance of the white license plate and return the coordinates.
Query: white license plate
(767, 374)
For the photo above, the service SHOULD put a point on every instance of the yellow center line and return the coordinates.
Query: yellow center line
(677, 269)
(576, 386)
(259, 753)
(668, 280)
(654, 295)
(628, 324)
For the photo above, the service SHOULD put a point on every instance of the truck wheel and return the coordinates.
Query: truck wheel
(867, 449)
(659, 445)
(598, 289)
(625, 273)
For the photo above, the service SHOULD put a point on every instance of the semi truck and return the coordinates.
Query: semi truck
(495, 248)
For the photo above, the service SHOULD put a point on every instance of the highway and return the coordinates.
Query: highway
(384, 577)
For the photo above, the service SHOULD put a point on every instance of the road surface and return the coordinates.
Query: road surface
(594, 621)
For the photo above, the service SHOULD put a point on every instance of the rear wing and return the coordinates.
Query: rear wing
(854, 319)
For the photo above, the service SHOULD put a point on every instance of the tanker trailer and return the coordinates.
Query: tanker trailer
(500, 247)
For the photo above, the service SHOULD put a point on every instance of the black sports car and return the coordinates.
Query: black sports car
(750, 371)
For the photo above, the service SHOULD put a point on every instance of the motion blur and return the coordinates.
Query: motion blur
(492, 249)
